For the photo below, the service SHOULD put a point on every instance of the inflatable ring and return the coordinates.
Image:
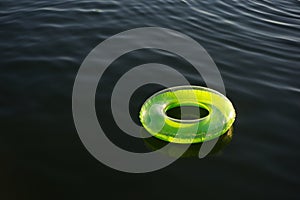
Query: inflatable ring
(220, 117)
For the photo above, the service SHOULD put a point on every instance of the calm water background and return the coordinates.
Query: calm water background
(255, 44)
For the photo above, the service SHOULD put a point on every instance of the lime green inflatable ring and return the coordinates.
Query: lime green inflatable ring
(153, 116)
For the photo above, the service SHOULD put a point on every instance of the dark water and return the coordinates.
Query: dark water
(255, 44)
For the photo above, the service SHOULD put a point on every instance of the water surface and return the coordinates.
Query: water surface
(255, 44)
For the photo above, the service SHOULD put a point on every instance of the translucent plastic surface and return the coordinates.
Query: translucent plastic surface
(221, 114)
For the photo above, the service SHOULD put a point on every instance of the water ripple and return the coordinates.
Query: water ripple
(255, 44)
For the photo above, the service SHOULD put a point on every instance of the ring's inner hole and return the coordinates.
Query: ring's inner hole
(187, 112)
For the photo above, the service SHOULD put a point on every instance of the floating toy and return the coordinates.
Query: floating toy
(205, 114)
